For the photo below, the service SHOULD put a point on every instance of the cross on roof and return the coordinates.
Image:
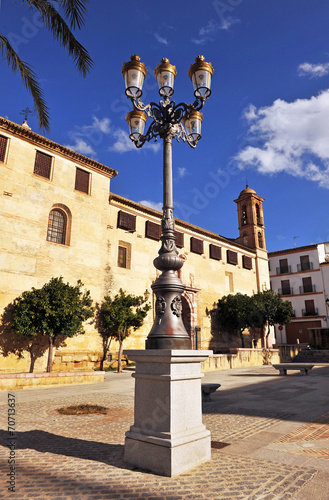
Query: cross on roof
(26, 112)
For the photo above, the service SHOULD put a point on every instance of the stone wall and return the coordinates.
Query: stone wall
(240, 358)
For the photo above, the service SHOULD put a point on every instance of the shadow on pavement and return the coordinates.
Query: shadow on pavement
(45, 442)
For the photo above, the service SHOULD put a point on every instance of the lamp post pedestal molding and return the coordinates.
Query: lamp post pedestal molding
(168, 436)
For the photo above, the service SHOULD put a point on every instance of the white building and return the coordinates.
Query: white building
(301, 275)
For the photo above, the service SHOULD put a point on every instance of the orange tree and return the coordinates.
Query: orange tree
(118, 317)
(57, 311)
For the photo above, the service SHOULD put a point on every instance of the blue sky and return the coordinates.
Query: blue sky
(266, 122)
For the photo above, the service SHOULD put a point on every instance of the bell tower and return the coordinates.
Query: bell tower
(251, 219)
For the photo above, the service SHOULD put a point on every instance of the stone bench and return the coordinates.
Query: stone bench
(302, 367)
(207, 389)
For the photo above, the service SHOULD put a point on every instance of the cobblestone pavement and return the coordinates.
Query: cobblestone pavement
(258, 440)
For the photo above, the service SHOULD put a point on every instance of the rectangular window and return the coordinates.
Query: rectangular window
(124, 254)
(215, 252)
(179, 239)
(3, 147)
(305, 263)
(152, 230)
(42, 165)
(232, 257)
(122, 257)
(246, 262)
(307, 285)
(283, 266)
(196, 245)
(309, 308)
(82, 180)
(126, 221)
(285, 287)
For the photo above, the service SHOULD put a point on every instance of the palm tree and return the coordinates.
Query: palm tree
(60, 26)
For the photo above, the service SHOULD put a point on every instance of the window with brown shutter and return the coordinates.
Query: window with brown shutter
(215, 252)
(179, 239)
(42, 165)
(152, 230)
(309, 308)
(126, 221)
(307, 285)
(82, 180)
(285, 287)
(283, 263)
(232, 257)
(3, 147)
(246, 262)
(196, 245)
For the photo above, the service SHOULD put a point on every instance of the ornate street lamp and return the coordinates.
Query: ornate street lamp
(168, 331)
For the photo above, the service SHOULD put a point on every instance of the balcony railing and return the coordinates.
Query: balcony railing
(307, 289)
(312, 312)
(283, 270)
(286, 291)
(307, 266)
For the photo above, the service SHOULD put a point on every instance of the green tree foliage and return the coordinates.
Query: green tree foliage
(269, 309)
(57, 310)
(118, 317)
(238, 312)
(60, 17)
(233, 313)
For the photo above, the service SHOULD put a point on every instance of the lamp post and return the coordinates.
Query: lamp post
(169, 121)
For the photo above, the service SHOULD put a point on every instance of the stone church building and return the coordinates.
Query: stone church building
(59, 217)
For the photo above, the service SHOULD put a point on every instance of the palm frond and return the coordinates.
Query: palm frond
(75, 11)
(29, 79)
(61, 31)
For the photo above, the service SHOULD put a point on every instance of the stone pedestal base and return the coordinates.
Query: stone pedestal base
(168, 436)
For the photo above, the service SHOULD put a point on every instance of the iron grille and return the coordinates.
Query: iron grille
(179, 239)
(42, 165)
(232, 257)
(196, 245)
(152, 230)
(3, 147)
(82, 180)
(126, 221)
(215, 252)
(246, 262)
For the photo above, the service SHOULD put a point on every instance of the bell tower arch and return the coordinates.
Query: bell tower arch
(251, 219)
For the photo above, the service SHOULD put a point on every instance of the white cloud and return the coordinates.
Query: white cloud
(313, 70)
(161, 39)
(289, 137)
(207, 33)
(123, 144)
(81, 146)
(152, 204)
(181, 172)
(86, 137)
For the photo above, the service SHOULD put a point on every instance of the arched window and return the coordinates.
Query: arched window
(244, 215)
(258, 217)
(57, 223)
(260, 240)
(245, 239)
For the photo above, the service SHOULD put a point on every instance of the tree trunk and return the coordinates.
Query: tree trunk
(50, 354)
(106, 346)
(267, 336)
(120, 354)
(32, 361)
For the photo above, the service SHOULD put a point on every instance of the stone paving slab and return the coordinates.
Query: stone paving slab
(81, 457)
